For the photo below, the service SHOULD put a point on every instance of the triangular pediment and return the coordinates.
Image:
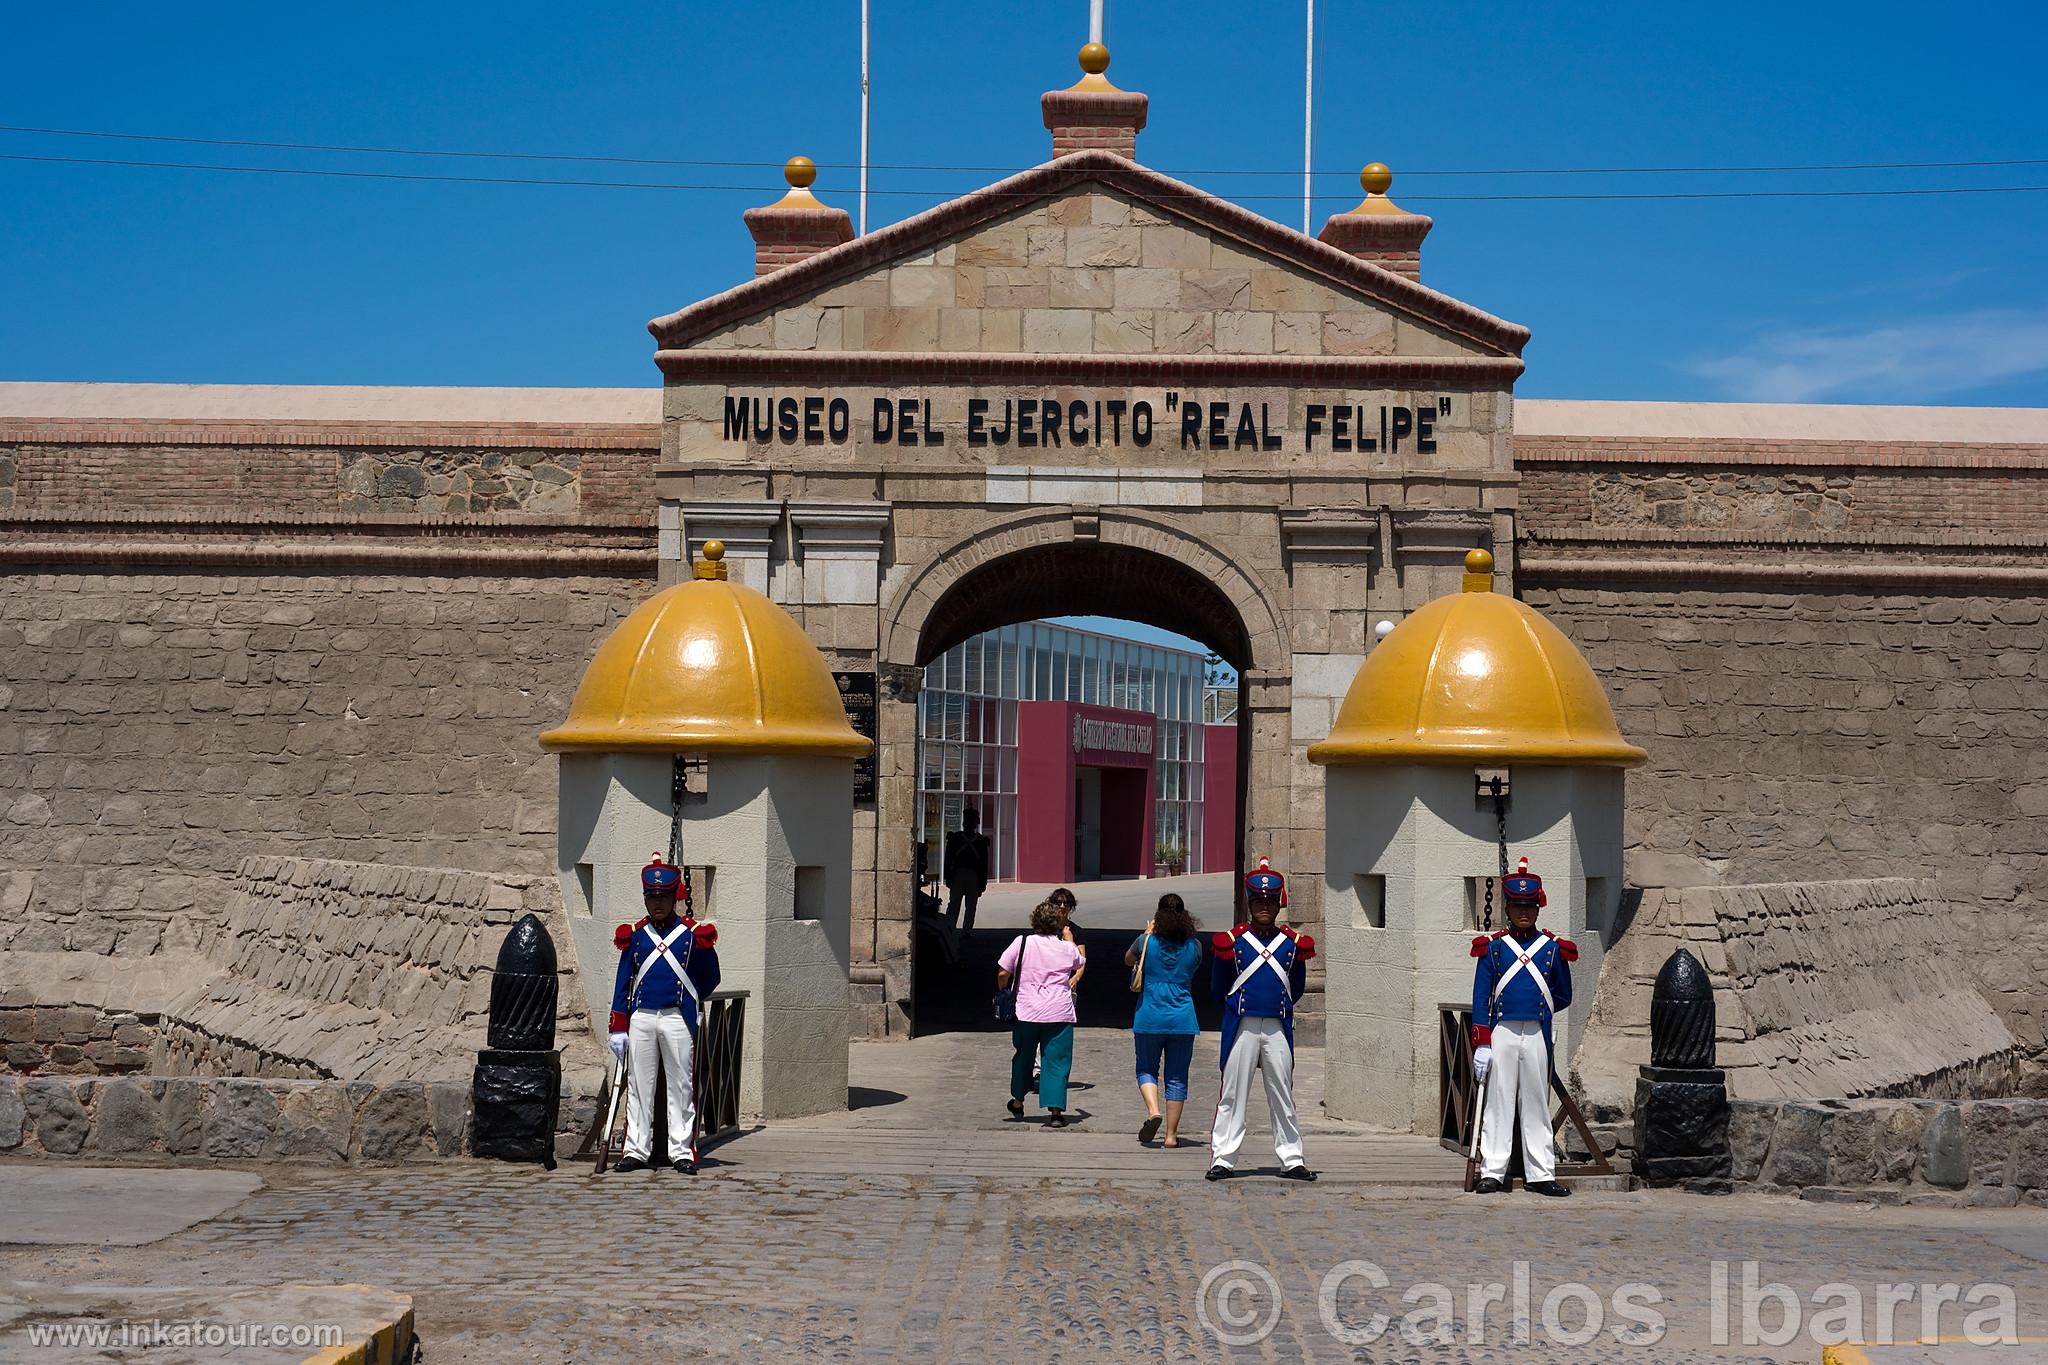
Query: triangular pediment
(1092, 254)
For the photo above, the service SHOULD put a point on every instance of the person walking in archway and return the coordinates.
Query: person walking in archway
(966, 868)
(1165, 959)
(1046, 971)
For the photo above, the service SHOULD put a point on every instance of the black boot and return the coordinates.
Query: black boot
(629, 1164)
(1297, 1173)
(1488, 1185)
(1546, 1187)
(1219, 1172)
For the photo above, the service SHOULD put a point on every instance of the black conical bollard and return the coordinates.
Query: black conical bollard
(524, 990)
(1681, 1097)
(517, 1091)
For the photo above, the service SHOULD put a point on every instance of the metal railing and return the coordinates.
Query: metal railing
(1458, 1094)
(719, 1038)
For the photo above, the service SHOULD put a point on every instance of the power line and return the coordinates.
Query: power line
(1022, 194)
(471, 154)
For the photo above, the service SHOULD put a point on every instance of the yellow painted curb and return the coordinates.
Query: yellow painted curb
(1858, 1353)
(389, 1344)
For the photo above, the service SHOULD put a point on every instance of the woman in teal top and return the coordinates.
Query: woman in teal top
(1164, 1027)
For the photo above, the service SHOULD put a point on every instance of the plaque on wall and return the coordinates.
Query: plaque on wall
(857, 691)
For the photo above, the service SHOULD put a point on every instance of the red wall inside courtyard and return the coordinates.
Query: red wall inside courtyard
(1052, 741)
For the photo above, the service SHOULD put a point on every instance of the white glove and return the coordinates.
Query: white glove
(619, 1045)
(1482, 1062)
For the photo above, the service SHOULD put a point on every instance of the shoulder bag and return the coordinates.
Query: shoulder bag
(1138, 972)
(1005, 1002)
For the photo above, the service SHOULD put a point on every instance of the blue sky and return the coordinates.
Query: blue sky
(127, 273)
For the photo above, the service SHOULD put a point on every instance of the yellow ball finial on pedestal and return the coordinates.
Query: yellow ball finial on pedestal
(712, 565)
(800, 172)
(1094, 59)
(1376, 179)
(1478, 571)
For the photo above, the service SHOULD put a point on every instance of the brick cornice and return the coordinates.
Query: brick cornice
(1730, 451)
(1557, 534)
(1786, 575)
(132, 431)
(1117, 174)
(977, 367)
(290, 556)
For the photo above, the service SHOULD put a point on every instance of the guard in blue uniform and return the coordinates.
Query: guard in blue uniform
(1521, 981)
(1260, 969)
(668, 965)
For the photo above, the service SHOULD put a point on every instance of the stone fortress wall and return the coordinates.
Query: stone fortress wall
(1825, 624)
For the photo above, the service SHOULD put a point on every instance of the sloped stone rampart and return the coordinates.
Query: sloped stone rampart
(315, 969)
(1822, 989)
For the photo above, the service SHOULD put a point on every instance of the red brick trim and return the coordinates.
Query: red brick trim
(1551, 450)
(151, 431)
(284, 556)
(1172, 197)
(496, 524)
(1792, 576)
(965, 367)
(1553, 534)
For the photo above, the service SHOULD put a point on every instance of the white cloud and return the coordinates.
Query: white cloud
(1904, 362)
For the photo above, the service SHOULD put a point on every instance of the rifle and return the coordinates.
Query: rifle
(1472, 1150)
(611, 1115)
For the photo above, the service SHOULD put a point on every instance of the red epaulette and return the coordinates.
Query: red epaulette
(1304, 946)
(1567, 949)
(1480, 943)
(706, 935)
(1222, 942)
(622, 937)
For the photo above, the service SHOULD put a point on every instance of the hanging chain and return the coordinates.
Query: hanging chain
(678, 787)
(1500, 814)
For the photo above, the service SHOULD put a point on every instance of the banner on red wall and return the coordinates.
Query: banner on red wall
(1102, 735)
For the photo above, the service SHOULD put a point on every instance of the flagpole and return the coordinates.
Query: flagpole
(863, 117)
(1308, 116)
(1094, 21)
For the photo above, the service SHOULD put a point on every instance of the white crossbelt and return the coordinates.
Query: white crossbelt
(1524, 960)
(661, 953)
(1264, 959)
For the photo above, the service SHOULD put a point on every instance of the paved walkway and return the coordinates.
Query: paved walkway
(924, 1225)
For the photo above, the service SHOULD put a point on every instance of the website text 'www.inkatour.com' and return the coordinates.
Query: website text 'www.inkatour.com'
(144, 1333)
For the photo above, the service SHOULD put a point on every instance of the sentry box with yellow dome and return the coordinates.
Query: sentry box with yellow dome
(1470, 685)
(710, 670)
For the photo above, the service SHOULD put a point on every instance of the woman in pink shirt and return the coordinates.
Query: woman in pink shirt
(1047, 970)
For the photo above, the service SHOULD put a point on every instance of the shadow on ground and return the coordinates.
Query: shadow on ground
(956, 981)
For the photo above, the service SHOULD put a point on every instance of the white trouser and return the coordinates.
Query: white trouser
(1260, 1046)
(1520, 1079)
(664, 1033)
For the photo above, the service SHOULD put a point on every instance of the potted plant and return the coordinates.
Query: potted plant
(1170, 859)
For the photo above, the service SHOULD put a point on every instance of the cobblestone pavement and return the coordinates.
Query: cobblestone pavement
(514, 1264)
(923, 1226)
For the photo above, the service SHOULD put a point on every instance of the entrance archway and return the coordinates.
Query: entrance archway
(1140, 568)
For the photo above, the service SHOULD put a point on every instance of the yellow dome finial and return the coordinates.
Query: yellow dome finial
(1094, 61)
(801, 172)
(712, 565)
(1478, 571)
(1376, 179)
